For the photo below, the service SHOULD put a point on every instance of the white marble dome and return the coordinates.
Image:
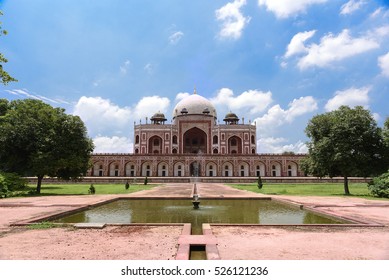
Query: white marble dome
(194, 105)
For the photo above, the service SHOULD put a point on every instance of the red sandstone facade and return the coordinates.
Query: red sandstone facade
(195, 144)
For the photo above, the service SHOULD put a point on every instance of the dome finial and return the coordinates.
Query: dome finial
(194, 92)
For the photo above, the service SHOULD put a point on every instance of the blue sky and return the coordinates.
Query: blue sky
(275, 63)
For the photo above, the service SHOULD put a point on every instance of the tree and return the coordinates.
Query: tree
(385, 133)
(38, 140)
(345, 142)
(5, 78)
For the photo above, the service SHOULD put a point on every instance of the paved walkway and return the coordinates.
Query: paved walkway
(229, 242)
(205, 190)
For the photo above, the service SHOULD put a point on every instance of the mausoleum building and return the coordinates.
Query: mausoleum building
(195, 143)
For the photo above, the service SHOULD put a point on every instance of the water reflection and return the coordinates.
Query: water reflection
(211, 211)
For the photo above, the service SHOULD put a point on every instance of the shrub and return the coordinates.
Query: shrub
(92, 189)
(145, 182)
(379, 186)
(127, 185)
(259, 183)
(10, 182)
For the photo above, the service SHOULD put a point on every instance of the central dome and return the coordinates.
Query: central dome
(194, 105)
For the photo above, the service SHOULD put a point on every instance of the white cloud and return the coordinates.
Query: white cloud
(335, 48)
(276, 116)
(124, 67)
(350, 97)
(381, 11)
(383, 63)
(115, 144)
(181, 95)
(254, 101)
(149, 68)
(150, 105)
(101, 115)
(233, 21)
(175, 37)
(28, 94)
(351, 6)
(279, 145)
(296, 45)
(287, 8)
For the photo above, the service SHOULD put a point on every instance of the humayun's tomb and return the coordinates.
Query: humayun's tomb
(195, 145)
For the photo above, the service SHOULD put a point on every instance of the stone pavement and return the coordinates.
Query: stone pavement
(185, 190)
(227, 242)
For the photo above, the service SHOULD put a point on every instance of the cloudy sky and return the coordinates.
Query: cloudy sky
(273, 62)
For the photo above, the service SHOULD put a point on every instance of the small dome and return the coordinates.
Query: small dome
(158, 117)
(194, 105)
(231, 117)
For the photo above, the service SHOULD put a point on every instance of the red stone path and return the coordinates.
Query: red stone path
(164, 242)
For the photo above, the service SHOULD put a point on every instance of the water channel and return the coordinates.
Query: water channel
(229, 211)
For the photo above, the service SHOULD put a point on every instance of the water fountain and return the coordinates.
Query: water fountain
(195, 200)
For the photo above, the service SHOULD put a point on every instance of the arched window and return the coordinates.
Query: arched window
(137, 139)
(156, 142)
(215, 139)
(174, 139)
(252, 139)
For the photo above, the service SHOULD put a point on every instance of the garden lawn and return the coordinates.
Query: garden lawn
(80, 189)
(319, 189)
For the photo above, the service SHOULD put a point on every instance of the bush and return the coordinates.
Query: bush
(146, 180)
(127, 185)
(379, 186)
(9, 183)
(259, 183)
(92, 189)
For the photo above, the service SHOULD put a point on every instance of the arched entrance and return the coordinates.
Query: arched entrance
(235, 145)
(195, 169)
(155, 145)
(195, 141)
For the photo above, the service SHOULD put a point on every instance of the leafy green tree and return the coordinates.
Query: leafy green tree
(5, 78)
(345, 142)
(38, 140)
(385, 133)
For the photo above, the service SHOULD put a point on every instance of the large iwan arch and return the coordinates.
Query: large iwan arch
(195, 141)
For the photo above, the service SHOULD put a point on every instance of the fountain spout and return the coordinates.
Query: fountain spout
(195, 200)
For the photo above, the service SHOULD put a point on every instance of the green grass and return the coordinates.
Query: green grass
(319, 189)
(42, 225)
(82, 189)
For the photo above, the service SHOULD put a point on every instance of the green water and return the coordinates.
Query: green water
(211, 211)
